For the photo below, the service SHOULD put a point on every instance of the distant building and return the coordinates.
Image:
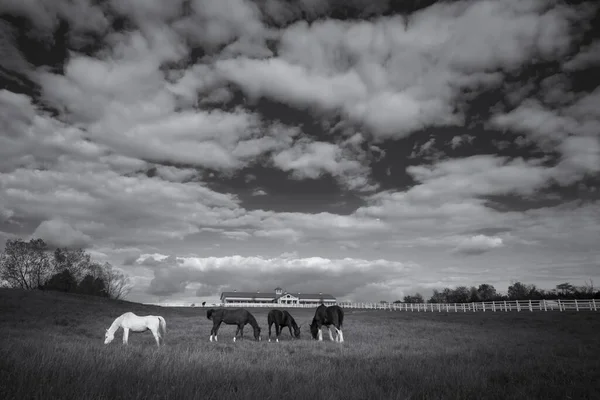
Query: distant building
(279, 296)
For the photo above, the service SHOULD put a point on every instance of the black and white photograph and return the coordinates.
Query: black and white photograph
(299, 199)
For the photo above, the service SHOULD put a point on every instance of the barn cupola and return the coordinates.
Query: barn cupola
(278, 291)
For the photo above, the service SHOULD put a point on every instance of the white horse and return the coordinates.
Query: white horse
(130, 321)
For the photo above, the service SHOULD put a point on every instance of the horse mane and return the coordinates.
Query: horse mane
(116, 324)
(252, 321)
(292, 320)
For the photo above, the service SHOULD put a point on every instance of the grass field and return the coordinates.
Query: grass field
(52, 348)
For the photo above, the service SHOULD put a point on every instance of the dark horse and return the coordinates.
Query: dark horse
(332, 315)
(237, 316)
(282, 319)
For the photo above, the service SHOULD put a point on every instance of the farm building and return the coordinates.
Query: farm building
(279, 296)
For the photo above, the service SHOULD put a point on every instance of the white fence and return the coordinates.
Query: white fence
(494, 306)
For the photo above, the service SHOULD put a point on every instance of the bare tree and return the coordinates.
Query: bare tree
(117, 284)
(76, 261)
(25, 264)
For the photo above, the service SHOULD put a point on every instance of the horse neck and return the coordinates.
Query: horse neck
(292, 321)
(252, 321)
(115, 325)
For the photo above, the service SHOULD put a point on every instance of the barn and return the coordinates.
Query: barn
(278, 296)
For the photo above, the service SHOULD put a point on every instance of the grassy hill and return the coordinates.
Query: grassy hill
(51, 347)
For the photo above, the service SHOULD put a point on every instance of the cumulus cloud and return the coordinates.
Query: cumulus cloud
(207, 129)
(295, 274)
(479, 244)
(397, 77)
(58, 233)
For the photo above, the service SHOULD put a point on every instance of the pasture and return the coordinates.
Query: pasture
(51, 347)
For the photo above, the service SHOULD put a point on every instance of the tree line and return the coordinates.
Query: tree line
(34, 266)
(516, 291)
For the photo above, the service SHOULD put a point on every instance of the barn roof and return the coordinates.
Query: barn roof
(272, 295)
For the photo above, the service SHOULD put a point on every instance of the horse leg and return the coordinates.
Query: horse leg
(340, 335)
(330, 335)
(320, 328)
(270, 324)
(214, 330)
(156, 337)
(290, 328)
(125, 335)
(277, 332)
(236, 333)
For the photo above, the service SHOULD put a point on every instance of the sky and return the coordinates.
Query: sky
(360, 148)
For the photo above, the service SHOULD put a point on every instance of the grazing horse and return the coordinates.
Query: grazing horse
(332, 315)
(131, 322)
(282, 319)
(237, 316)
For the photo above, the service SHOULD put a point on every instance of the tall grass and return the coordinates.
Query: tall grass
(52, 348)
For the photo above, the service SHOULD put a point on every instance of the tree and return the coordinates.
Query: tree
(77, 261)
(587, 290)
(92, 286)
(565, 289)
(117, 283)
(417, 298)
(461, 294)
(63, 282)
(24, 264)
(521, 291)
(486, 292)
(438, 297)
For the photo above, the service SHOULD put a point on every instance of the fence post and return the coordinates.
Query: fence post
(455, 308)
(530, 307)
(483, 305)
(576, 305)
(505, 309)
(518, 306)
(594, 304)
(559, 305)
(545, 306)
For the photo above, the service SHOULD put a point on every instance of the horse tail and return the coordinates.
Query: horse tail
(209, 313)
(341, 317)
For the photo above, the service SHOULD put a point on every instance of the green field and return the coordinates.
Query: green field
(52, 348)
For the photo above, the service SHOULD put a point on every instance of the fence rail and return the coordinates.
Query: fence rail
(493, 306)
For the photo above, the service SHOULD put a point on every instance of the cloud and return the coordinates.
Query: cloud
(310, 159)
(294, 274)
(58, 233)
(587, 58)
(479, 244)
(82, 15)
(210, 130)
(396, 77)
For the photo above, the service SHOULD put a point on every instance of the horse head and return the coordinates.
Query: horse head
(297, 331)
(257, 335)
(108, 337)
(313, 329)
